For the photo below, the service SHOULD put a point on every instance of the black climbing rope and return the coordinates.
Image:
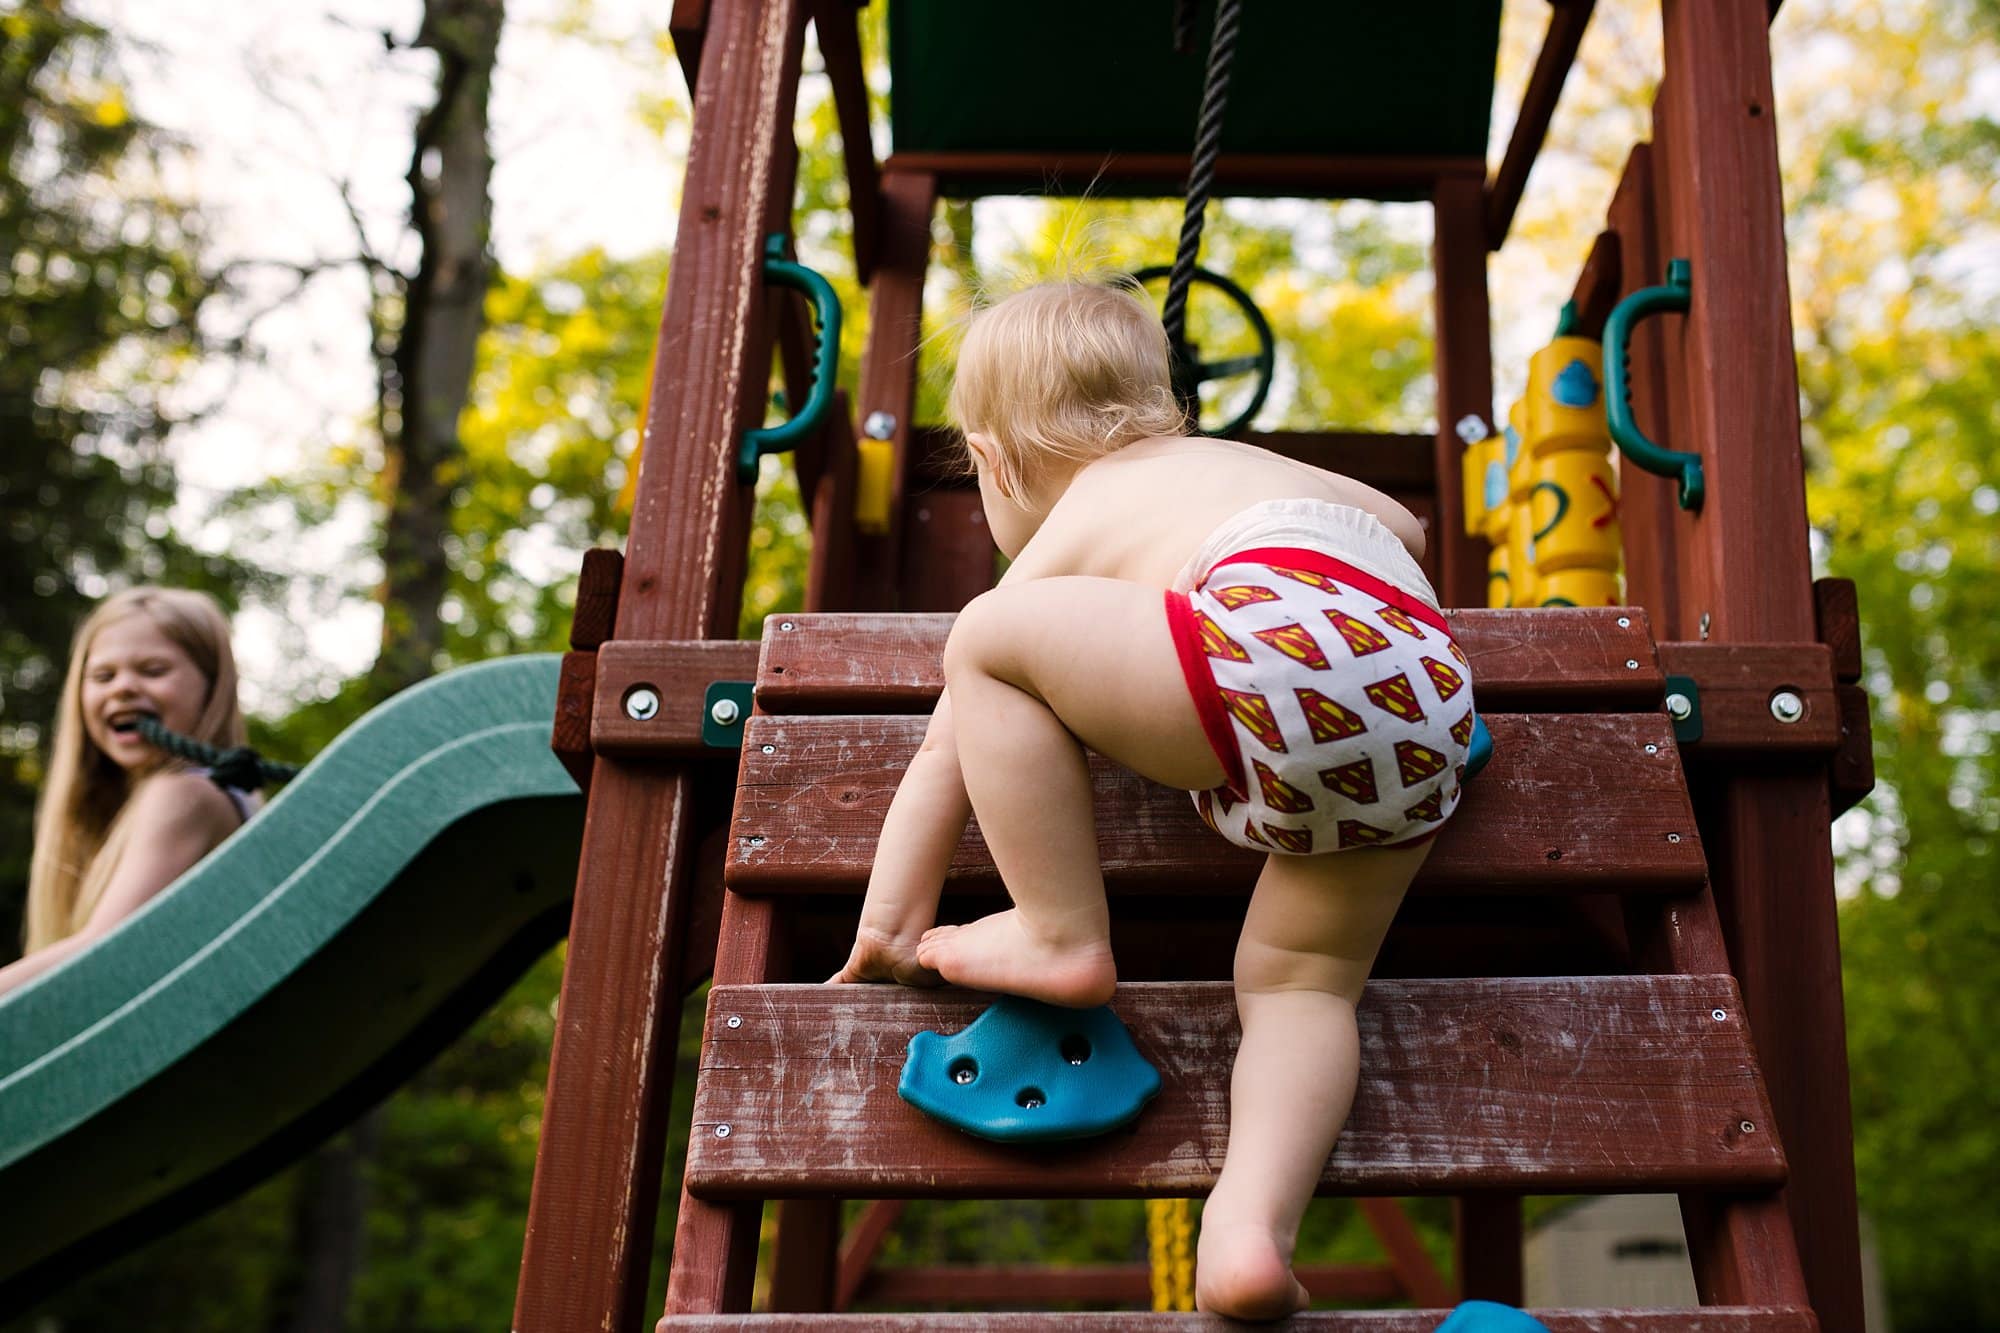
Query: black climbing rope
(1201, 181)
(242, 767)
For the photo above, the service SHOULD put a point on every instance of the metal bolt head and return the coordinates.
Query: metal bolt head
(1746, 1126)
(642, 703)
(1631, 664)
(963, 1074)
(770, 749)
(1652, 749)
(1787, 706)
(1673, 837)
(1624, 622)
(879, 426)
(1718, 1014)
(722, 1131)
(787, 626)
(733, 1021)
(725, 712)
(1679, 707)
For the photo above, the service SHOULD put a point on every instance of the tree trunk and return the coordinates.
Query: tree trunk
(427, 375)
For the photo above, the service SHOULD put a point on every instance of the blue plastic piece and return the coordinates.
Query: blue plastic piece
(1489, 1317)
(1479, 750)
(1575, 386)
(1027, 1072)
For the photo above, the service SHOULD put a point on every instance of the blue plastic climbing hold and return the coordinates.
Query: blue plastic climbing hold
(1479, 750)
(1027, 1072)
(1489, 1317)
(1575, 386)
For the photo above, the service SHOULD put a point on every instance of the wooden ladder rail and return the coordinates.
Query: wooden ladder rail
(597, 1171)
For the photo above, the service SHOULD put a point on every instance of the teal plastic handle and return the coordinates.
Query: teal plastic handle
(782, 272)
(1632, 442)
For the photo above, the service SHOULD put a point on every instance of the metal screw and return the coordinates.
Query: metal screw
(1746, 1127)
(642, 703)
(770, 749)
(879, 426)
(757, 840)
(1718, 1015)
(1679, 707)
(725, 712)
(1631, 664)
(1787, 706)
(1624, 622)
(722, 1131)
(1673, 837)
(787, 626)
(734, 1021)
(1652, 749)
(1706, 621)
(963, 1074)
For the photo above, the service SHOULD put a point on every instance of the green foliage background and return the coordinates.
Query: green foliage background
(1889, 145)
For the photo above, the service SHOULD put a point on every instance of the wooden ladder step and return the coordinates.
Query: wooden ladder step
(1713, 1319)
(1549, 1085)
(1572, 659)
(1572, 802)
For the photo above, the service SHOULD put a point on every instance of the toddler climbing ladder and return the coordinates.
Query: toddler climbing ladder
(1497, 1083)
(1568, 1001)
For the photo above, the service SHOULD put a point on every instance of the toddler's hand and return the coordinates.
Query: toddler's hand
(879, 957)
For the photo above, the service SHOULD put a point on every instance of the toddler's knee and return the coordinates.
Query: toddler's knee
(973, 636)
(1263, 969)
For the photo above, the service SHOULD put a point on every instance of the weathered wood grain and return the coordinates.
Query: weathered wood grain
(1559, 1084)
(1464, 362)
(1597, 286)
(679, 674)
(1837, 614)
(1572, 802)
(1572, 660)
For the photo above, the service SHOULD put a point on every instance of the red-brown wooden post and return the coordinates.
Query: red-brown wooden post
(597, 1173)
(1747, 577)
(889, 366)
(1464, 363)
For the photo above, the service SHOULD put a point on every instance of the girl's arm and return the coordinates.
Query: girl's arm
(175, 819)
(925, 821)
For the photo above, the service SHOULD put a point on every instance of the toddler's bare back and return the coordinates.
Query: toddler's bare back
(1140, 513)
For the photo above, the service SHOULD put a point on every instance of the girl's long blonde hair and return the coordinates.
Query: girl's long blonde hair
(79, 834)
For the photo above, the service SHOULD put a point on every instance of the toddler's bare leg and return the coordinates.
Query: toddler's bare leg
(1309, 939)
(1038, 671)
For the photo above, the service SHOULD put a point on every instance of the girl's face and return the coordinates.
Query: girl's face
(133, 669)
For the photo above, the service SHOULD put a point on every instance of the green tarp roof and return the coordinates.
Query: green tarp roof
(1408, 78)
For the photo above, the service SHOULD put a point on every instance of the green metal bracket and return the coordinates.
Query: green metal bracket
(1684, 707)
(781, 272)
(1678, 464)
(723, 710)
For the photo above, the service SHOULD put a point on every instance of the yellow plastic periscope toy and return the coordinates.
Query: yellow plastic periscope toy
(1544, 493)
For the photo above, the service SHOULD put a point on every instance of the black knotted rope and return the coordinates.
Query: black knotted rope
(242, 767)
(1201, 180)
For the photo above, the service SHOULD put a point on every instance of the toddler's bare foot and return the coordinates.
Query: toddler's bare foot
(998, 953)
(1241, 1272)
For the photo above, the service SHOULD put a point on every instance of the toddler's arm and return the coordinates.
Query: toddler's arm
(919, 834)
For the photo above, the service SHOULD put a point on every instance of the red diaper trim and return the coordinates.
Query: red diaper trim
(1318, 562)
(1207, 698)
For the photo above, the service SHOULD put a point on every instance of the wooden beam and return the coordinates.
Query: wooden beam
(1567, 21)
(1469, 1084)
(1093, 1284)
(1732, 1319)
(1463, 360)
(687, 24)
(812, 793)
(837, 25)
(1301, 175)
(599, 1164)
(1747, 578)
(1572, 660)
(1597, 287)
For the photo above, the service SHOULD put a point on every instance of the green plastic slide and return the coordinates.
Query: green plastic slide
(290, 980)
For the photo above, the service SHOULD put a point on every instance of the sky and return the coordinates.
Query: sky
(279, 104)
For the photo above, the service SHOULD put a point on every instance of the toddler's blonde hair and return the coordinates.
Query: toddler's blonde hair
(79, 835)
(1062, 373)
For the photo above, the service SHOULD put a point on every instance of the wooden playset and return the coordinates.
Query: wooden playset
(1618, 971)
